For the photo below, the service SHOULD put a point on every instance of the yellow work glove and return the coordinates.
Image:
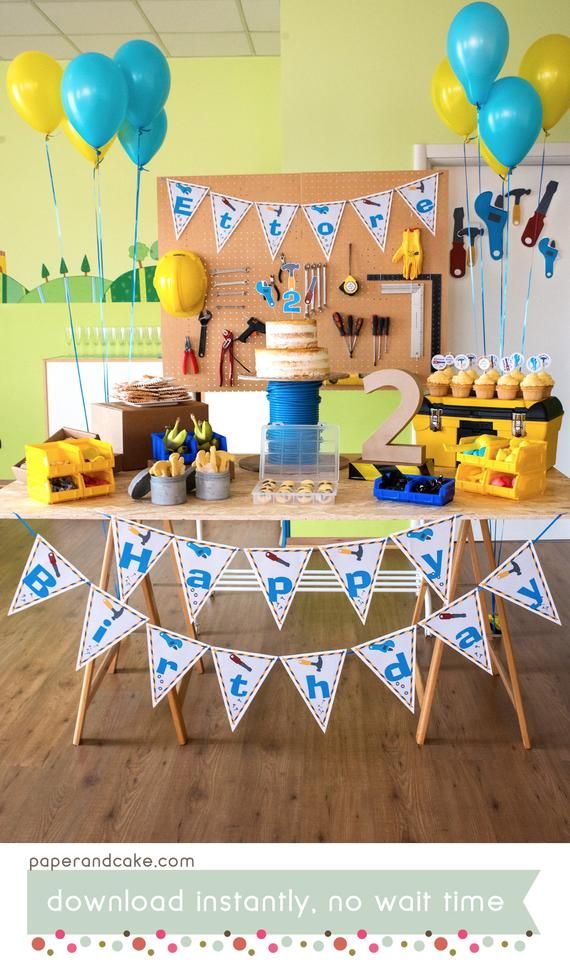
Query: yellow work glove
(410, 252)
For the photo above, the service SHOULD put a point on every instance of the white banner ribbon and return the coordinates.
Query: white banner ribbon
(356, 566)
(520, 579)
(240, 675)
(185, 199)
(107, 621)
(325, 220)
(137, 549)
(374, 212)
(393, 660)
(421, 197)
(430, 550)
(462, 626)
(200, 565)
(46, 574)
(276, 219)
(170, 657)
(316, 676)
(227, 213)
(279, 573)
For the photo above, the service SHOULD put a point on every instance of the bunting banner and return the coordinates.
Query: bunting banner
(316, 676)
(227, 213)
(170, 657)
(356, 566)
(392, 659)
(240, 675)
(421, 197)
(137, 549)
(279, 573)
(325, 221)
(430, 550)
(200, 565)
(461, 625)
(520, 579)
(374, 212)
(276, 219)
(185, 199)
(45, 574)
(107, 621)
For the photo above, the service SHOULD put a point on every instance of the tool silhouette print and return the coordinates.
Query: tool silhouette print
(316, 677)
(45, 574)
(520, 579)
(200, 565)
(240, 676)
(356, 566)
(461, 625)
(430, 549)
(392, 659)
(137, 550)
(107, 621)
(279, 573)
(170, 657)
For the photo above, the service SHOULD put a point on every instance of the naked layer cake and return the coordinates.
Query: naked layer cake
(292, 352)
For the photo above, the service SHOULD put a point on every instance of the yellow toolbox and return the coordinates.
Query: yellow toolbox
(85, 463)
(487, 462)
(442, 423)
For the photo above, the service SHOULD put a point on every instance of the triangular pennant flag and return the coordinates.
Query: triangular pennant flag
(170, 656)
(356, 565)
(45, 574)
(107, 621)
(227, 213)
(240, 676)
(275, 220)
(430, 549)
(325, 220)
(374, 212)
(185, 199)
(200, 565)
(279, 573)
(316, 676)
(137, 549)
(421, 197)
(461, 625)
(393, 659)
(520, 579)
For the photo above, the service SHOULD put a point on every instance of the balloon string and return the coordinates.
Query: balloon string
(66, 285)
(471, 272)
(529, 283)
(135, 242)
(101, 275)
(505, 289)
(549, 526)
(481, 267)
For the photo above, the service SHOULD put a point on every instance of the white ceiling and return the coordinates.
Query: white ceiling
(182, 28)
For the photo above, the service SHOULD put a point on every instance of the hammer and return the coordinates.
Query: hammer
(471, 234)
(517, 193)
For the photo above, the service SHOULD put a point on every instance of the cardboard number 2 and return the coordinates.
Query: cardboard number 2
(378, 447)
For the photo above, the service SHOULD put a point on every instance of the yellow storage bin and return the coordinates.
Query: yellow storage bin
(73, 458)
(524, 486)
(471, 478)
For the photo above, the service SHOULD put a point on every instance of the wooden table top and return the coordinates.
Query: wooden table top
(354, 501)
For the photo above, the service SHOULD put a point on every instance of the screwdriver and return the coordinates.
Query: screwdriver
(356, 331)
(386, 332)
(349, 331)
(337, 318)
(375, 335)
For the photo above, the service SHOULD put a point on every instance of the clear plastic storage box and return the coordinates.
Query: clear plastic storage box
(299, 465)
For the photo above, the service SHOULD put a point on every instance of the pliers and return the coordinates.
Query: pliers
(189, 358)
(226, 349)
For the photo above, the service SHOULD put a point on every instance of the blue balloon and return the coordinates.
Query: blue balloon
(511, 120)
(477, 45)
(94, 96)
(146, 71)
(151, 138)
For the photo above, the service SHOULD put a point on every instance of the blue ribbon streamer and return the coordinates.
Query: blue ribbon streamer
(101, 272)
(529, 284)
(505, 289)
(66, 283)
(471, 273)
(28, 527)
(481, 266)
(135, 242)
(549, 526)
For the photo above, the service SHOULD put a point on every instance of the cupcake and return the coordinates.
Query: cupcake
(548, 382)
(494, 374)
(484, 386)
(507, 387)
(437, 384)
(448, 372)
(472, 374)
(533, 389)
(461, 385)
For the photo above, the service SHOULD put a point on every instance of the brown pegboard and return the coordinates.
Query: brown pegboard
(247, 247)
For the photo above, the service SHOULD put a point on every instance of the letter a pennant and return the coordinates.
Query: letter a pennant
(325, 220)
(356, 565)
(430, 549)
(137, 549)
(521, 580)
(275, 220)
(374, 212)
(170, 656)
(461, 626)
(45, 574)
(240, 676)
(185, 199)
(227, 213)
(421, 197)
(278, 573)
(316, 676)
(393, 659)
(107, 621)
(200, 565)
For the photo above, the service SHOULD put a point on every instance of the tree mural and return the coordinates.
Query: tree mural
(140, 253)
(85, 266)
(45, 273)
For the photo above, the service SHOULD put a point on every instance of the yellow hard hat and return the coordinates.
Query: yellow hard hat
(180, 281)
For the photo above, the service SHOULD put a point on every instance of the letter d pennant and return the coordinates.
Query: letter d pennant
(107, 621)
(316, 676)
(356, 565)
(520, 579)
(240, 676)
(279, 573)
(200, 565)
(461, 626)
(170, 656)
(45, 574)
(393, 660)
(430, 549)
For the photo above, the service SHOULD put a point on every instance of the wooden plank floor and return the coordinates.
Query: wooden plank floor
(277, 778)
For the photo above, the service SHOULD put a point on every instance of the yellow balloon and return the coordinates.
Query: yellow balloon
(180, 281)
(450, 100)
(492, 161)
(88, 152)
(33, 82)
(546, 65)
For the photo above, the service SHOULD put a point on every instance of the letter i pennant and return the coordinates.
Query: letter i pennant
(356, 566)
(170, 656)
(200, 565)
(520, 579)
(461, 626)
(46, 574)
(279, 573)
(316, 676)
(393, 660)
(240, 676)
(107, 621)
(430, 549)
(137, 549)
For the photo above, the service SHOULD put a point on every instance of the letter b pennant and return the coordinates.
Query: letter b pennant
(46, 574)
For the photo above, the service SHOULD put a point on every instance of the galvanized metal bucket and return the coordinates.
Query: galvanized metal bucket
(168, 491)
(213, 486)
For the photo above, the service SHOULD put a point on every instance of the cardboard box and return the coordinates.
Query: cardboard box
(19, 469)
(129, 429)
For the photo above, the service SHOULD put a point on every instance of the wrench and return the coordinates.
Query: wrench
(495, 218)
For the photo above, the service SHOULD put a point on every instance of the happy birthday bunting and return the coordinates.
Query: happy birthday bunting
(137, 549)
(45, 574)
(461, 626)
(421, 197)
(393, 660)
(374, 212)
(170, 657)
(227, 213)
(185, 199)
(316, 676)
(200, 565)
(521, 580)
(430, 549)
(240, 676)
(325, 221)
(356, 566)
(279, 573)
(107, 621)
(276, 219)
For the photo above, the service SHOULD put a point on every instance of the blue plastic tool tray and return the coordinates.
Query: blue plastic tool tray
(159, 450)
(445, 494)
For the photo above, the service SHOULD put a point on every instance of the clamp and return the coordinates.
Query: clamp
(226, 349)
(189, 358)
